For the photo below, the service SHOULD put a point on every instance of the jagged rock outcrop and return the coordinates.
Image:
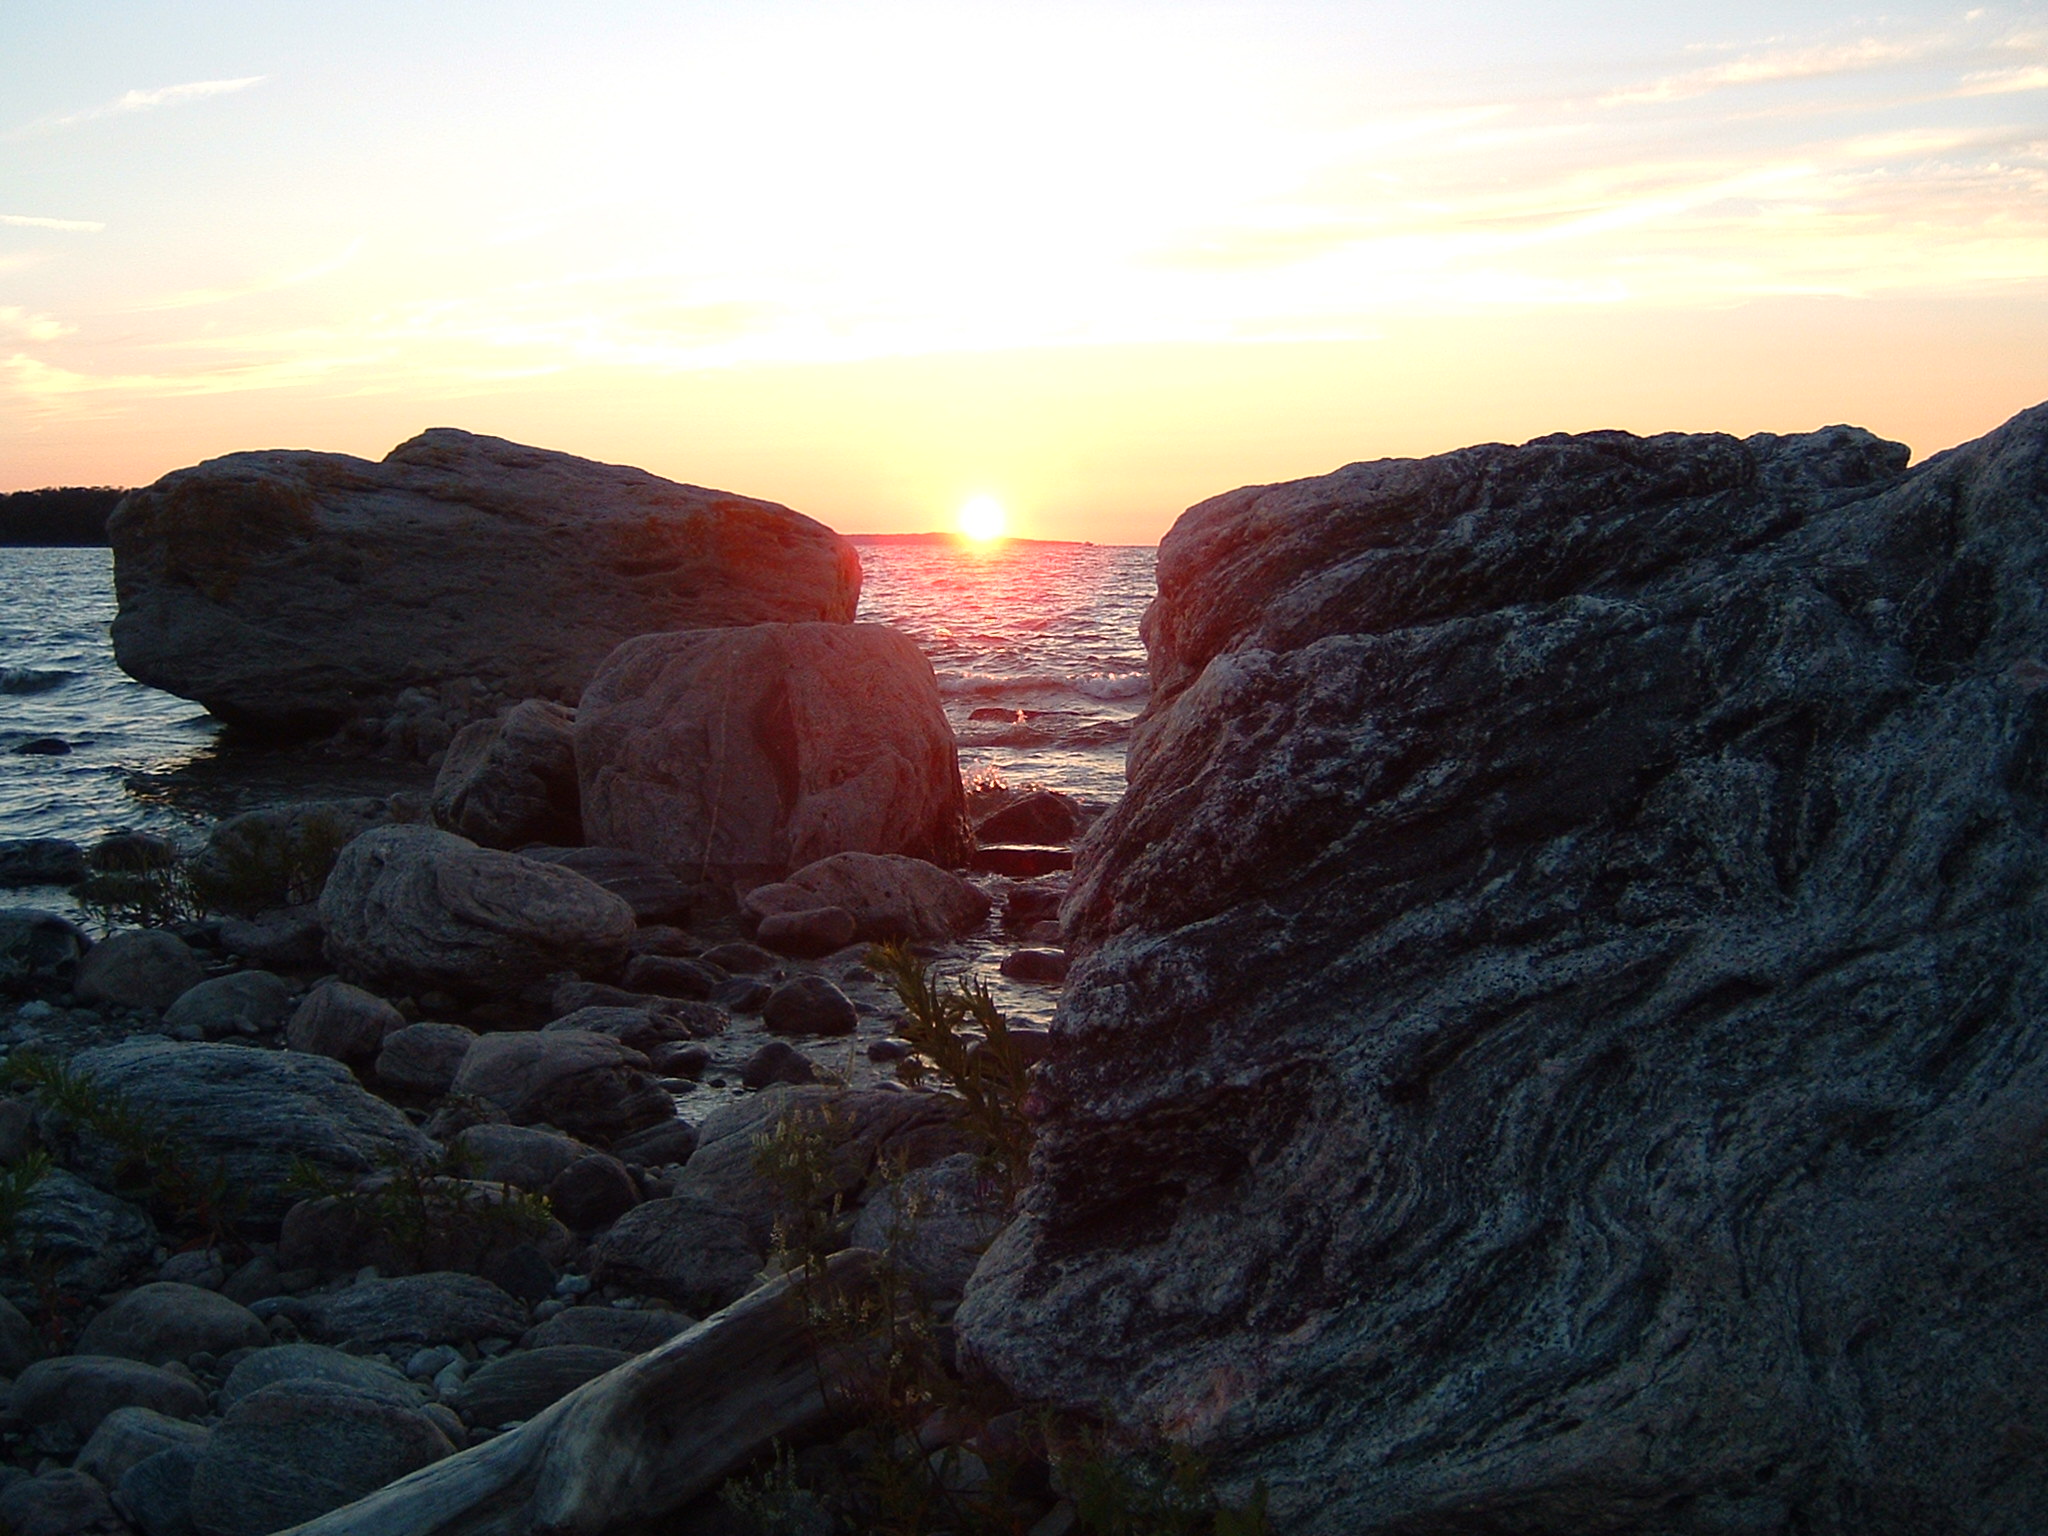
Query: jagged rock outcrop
(292, 591)
(734, 756)
(1559, 1045)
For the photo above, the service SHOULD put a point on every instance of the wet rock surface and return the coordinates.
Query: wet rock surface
(1554, 1045)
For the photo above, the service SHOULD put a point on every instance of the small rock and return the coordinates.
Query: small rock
(137, 968)
(587, 1084)
(437, 1308)
(890, 1050)
(890, 896)
(156, 1493)
(295, 1450)
(130, 1435)
(686, 1249)
(672, 976)
(592, 1192)
(313, 1362)
(40, 861)
(631, 1331)
(670, 1142)
(809, 933)
(253, 1281)
(639, 1029)
(652, 891)
(343, 1022)
(423, 1058)
(777, 1062)
(661, 939)
(20, 1345)
(679, 1060)
(1021, 861)
(740, 959)
(60, 1503)
(64, 1399)
(202, 1267)
(1048, 966)
(743, 994)
(38, 946)
(517, 1386)
(165, 1321)
(512, 780)
(246, 1003)
(1042, 816)
(285, 938)
(1030, 904)
(43, 746)
(809, 1005)
(526, 1156)
(88, 1242)
(425, 1364)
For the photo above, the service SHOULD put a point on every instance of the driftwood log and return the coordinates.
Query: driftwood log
(638, 1442)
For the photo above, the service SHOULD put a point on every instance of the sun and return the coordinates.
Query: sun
(982, 519)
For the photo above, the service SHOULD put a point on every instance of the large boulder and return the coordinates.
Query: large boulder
(297, 591)
(254, 1115)
(415, 907)
(512, 780)
(166, 1321)
(1558, 1040)
(138, 968)
(82, 1241)
(738, 755)
(889, 896)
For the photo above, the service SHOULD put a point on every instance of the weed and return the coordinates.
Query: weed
(149, 896)
(152, 1164)
(18, 1182)
(417, 1206)
(254, 863)
(986, 1072)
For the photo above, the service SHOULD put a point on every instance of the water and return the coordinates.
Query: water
(1035, 646)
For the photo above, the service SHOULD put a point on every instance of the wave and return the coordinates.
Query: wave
(1113, 685)
(29, 680)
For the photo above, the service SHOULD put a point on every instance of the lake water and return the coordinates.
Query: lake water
(1035, 646)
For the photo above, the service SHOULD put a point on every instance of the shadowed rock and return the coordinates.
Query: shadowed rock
(734, 756)
(1557, 1045)
(297, 591)
(511, 780)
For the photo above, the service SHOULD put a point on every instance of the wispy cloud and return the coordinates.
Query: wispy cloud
(18, 324)
(2005, 82)
(142, 101)
(1780, 64)
(200, 297)
(72, 226)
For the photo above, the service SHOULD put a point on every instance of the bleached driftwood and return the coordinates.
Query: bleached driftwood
(636, 1442)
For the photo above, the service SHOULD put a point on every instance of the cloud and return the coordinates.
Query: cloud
(143, 101)
(1808, 63)
(18, 324)
(2004, 82)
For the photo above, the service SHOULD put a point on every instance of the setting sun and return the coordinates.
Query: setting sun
(982, 519)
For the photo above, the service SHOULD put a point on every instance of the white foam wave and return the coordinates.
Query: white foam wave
(1113, 685)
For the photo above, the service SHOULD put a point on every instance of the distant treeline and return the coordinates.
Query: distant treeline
(67, 514)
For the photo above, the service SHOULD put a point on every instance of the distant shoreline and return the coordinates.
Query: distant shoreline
(962, 540)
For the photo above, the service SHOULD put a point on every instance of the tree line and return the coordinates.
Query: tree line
(65, 514)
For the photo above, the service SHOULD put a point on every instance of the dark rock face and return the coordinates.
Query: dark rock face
(512, 780)
(294, 591)
(1556, 1040)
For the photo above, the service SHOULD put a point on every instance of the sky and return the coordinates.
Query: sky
(1097, 261)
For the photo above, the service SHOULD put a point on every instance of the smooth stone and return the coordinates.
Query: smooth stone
(59, 1503)
(73, 1393)
(37, 946)
(86, 1241)
(522, 1155)
(808, 934)
(670, 1142)
(343, 1022)
(592, 1192)
(131, 1435)
(1029, 905)
(295, 1450)
(695, 1252)
(419, 908)
(43, 746)
(438, 1308)
(777, 1062)
(423, 1058)
(313, 1362)
(639, 1029)
(891, 897)
(809, 1005)
(257, 1114)
(632, 1332)
(650, 889)
(156, 1493)
(741, 754)
(586, 1084)
(1041, 816)
(137, 968)
(740, 958)
(511, 780)
(514, 1387)
(934, 1224)
(1048, 966)
(30, 861)
(743, 994)
(292, 591)
(671, 976)
(246, 1003)
(681, 1059)
(283, 938)
(165, 1321)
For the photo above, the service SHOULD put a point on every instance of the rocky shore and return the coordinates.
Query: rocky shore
(1552, 1045)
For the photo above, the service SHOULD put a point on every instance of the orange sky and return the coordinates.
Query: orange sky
(1098, 262)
